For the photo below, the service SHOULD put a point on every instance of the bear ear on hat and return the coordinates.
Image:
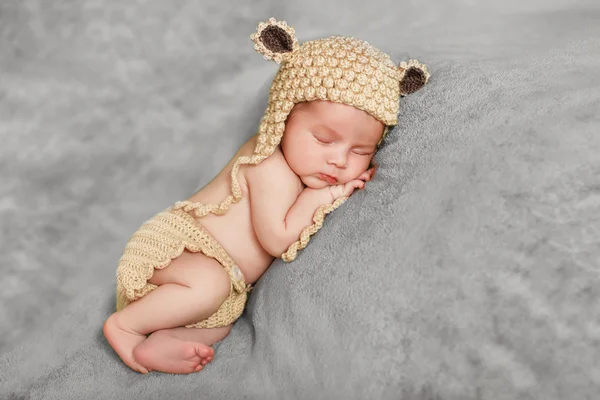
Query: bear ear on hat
(274, 40)
(413, 76)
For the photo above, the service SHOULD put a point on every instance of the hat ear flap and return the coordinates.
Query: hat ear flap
(413, 76)
(274, 40)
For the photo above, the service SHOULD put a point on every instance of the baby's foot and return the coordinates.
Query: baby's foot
(167, 353)
(123, 341)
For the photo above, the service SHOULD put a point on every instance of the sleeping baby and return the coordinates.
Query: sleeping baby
(184, 276)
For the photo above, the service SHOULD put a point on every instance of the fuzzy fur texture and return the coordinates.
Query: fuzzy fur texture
(474, 275)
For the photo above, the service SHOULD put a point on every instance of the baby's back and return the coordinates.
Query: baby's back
(234, 230)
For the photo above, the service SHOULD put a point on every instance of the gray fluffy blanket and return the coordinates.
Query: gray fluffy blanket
(468, 269)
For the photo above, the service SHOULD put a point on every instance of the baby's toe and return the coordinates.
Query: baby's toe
(205, 352)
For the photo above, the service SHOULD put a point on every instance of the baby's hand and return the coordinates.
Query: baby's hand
(368, 174)
(346, 189)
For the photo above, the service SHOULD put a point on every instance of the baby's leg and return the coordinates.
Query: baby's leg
(176, 350)
(189, 290)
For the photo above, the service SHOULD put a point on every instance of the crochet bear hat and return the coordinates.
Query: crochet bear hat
(338, 69)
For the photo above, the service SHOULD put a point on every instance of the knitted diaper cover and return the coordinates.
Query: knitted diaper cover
(160, 240)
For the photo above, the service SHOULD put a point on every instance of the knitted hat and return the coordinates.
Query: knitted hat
(338, 69)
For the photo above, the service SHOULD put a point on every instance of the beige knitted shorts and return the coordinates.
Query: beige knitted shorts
(162, 239)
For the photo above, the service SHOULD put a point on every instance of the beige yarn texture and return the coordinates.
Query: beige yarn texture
(338, 69)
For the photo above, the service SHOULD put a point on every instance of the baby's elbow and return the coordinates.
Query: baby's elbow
(274, 243)
(276, 246)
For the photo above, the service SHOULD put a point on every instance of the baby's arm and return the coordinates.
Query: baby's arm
(280, 209)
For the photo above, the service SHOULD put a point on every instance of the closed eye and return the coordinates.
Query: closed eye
(322, 140)
(362, 153)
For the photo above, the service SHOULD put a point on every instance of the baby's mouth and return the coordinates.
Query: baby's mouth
(328, 178)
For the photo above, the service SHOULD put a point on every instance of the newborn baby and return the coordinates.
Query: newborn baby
(184, 276)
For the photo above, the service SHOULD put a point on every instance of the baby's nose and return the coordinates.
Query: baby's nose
(339, 159)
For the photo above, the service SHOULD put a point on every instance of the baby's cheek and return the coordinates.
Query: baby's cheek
(354, 173)
(364, 163)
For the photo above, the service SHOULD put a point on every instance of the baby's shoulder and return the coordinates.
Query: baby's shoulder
(275, 160)
(273, 170)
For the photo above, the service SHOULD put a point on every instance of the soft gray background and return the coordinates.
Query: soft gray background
(467, 270)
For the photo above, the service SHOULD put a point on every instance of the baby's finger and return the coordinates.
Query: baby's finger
(350, 187)
(365, 176)
(374, 169)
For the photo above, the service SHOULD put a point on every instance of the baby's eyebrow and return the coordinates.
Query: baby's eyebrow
(369, 145)
(338, 135)
(329, 130)
(366, 146)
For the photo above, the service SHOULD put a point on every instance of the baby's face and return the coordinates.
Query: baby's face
(327, 143)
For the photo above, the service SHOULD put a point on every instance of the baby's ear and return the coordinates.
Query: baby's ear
(274, 40)
(413, 76)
